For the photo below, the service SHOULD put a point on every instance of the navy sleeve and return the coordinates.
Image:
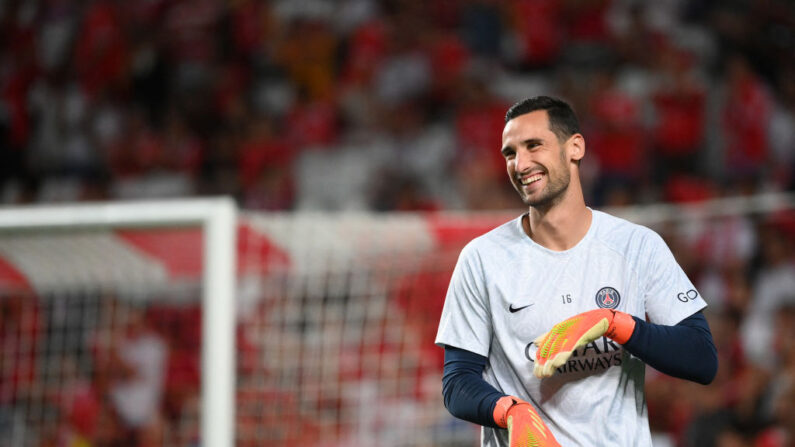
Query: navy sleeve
(466, 395)
(685, 351)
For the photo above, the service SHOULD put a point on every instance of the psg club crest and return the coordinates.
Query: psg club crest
(607, 298)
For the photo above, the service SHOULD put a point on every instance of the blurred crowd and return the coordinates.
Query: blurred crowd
(399, 105)
(387, 105)
(744, 267)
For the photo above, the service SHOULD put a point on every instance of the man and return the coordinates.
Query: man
(545, 321)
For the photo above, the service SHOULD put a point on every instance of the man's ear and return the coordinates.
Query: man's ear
(576, 147)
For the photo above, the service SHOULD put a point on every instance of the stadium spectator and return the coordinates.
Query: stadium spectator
(617, 142)
(80, 404)
(264, 165)
(20, 339)
(773, 287)
(745, 117)
(679, 104)
(131, 361)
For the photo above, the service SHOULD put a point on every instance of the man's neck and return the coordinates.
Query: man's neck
(559, 227)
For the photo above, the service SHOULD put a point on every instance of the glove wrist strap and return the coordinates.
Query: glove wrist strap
(621, 328)
(501, 410)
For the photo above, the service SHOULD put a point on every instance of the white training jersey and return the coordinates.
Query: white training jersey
(506, 290)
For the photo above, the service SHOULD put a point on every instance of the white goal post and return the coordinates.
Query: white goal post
(218, 219)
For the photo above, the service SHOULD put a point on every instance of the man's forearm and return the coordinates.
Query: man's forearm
(466, 395)
(685, 351)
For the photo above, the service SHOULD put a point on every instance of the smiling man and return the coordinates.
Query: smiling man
(550, 319)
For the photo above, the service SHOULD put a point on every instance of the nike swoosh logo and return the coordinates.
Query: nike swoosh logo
(517, 309)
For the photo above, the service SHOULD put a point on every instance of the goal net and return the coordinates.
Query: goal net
(335, 316)
(336, 342)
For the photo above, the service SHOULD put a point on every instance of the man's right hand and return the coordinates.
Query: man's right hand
(525, 427)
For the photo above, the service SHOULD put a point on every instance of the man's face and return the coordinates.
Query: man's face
(537, 164)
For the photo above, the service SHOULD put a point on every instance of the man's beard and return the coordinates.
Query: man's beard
(550, 195)
(553, 192)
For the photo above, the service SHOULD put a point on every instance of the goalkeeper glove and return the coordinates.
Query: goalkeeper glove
(525, 427)
(556, 346)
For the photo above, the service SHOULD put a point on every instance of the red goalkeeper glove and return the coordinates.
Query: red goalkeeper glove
(525, 427)
(555, 347)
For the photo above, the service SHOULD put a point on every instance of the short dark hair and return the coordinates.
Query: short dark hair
(562, 119)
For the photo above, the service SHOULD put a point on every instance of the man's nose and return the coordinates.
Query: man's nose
(524, 159)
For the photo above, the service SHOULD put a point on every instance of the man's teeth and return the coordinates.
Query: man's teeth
(531, 179)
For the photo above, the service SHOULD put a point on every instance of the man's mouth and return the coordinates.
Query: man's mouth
(531, 179)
